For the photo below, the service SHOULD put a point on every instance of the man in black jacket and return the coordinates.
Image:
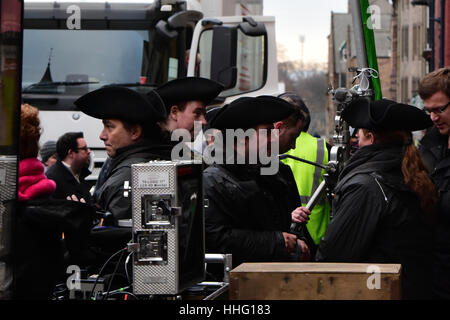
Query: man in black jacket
(249, 212)
(131, 135)
(71, 169)
(434, 89)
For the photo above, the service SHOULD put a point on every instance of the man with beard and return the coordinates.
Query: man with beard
(71, 169)
(249, 214)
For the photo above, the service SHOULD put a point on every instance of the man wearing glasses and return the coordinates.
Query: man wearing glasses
(71, 169)
(434, 89)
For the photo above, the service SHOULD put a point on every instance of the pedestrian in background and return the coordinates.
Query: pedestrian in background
(48, 154)
(71, 169)
(307, 176)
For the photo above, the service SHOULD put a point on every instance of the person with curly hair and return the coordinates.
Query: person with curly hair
(40, 254)
(32, 181)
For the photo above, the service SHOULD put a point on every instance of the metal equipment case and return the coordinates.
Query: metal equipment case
(168, 226)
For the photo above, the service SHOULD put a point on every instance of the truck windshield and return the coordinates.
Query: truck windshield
(61, 65)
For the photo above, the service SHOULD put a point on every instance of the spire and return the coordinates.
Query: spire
(47, 77)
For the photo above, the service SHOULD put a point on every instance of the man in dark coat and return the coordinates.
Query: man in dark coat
(249, 213)
(71, 169)
(131, 135)
(434, 89)
(377, 217)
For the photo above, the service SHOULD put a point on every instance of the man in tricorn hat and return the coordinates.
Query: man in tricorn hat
(130, 134)
(381, 213)
(248, 214)
(186, 100)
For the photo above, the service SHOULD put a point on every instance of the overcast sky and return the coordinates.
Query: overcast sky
(309, 19)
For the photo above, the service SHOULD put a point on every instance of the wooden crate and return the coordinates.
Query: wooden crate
(315, 281)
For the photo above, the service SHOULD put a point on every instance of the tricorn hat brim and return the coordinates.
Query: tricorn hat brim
(385, 115)
(248, 112)
(115, 102)
(189, 89)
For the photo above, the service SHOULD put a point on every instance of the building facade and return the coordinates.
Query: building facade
(410, 65)
(342, 52)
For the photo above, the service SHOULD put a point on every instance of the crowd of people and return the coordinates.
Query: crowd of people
(390, 205)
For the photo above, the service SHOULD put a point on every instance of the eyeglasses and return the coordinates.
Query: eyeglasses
(85, 148)
(437, 110)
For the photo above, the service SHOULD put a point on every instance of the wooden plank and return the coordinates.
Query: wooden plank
(314, 281)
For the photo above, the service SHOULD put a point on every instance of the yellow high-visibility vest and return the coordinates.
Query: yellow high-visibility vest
(308, 178)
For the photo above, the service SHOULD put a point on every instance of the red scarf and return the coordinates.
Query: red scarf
(32, 181)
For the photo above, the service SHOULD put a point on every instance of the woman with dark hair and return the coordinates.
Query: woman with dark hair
(384, 197)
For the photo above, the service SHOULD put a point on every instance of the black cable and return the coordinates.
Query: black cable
(114, 273)
(103, 267)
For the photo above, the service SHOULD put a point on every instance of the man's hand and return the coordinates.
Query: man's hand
(306, 254)
(300, 215)
(74, 198)
(290, 241)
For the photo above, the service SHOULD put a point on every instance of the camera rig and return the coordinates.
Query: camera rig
(340, 150)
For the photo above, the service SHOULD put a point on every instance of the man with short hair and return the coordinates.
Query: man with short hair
(249, 212)
(307, 176)
(434, 89)
(71, 169)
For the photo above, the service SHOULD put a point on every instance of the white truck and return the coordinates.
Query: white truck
(73, 47)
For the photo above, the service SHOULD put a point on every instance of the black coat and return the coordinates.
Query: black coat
(247, 213)
(110, 194)
(435, 151)
(40, 256)
(66, 184)
(377, 219)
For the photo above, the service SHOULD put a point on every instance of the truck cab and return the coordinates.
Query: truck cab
(71, 48)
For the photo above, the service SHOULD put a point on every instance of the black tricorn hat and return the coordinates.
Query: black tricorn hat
(212, 113)
(385, 115)
(188, 89)
(248, 112)
(115, 102)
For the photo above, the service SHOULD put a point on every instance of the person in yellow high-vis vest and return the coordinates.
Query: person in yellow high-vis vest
(308, 177)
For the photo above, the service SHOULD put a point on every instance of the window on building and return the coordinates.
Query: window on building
(405, 42)
(417, 41)
(404, 90)
(415, 86)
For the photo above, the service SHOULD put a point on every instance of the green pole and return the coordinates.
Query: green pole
(369, 39)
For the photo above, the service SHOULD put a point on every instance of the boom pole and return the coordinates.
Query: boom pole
(365, 42)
